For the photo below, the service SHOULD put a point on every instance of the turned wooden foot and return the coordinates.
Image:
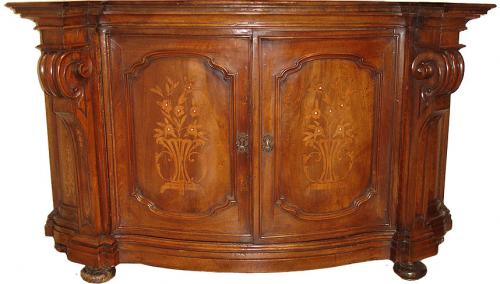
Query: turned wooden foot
(410, 270)
(97, 275)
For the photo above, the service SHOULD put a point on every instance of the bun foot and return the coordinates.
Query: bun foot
(410, 270)
(97, 275)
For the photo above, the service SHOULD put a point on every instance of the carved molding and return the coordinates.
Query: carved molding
(440, 72)
(149, 58)
(299, 213)
(436, 74)
(359, 61)
(437, 211)
(230, 201)
(64, 74)
(401, 243)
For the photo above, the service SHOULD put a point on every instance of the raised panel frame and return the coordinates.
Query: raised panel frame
(280, 197)
(130, 76)
(234, 205)
(393, 50)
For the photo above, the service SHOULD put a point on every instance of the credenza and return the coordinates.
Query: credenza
(248, 136)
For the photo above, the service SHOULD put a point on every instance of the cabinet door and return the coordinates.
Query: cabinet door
(177, 107)
(328, 120)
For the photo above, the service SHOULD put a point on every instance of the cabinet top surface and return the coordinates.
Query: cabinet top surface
(243, 13)
(372, 6)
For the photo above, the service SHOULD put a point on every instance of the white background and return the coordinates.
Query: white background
(468, 255)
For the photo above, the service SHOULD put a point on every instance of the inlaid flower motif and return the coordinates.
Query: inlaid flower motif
(193, 130)
(179, 134)
(343, 130)
(169, 129)
(314, 132)
(188, 84)
(316, 113)
(179, 110)
(170, 86)
(342, 103)
(157, 90)
(165, 105)
(327, 136)
(194, 111)
(318, 131)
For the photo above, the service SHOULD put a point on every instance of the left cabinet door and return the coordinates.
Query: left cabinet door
(177, 128)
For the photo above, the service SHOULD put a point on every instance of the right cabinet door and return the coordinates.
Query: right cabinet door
(328, 125)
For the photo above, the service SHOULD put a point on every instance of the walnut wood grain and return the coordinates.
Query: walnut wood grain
(248, 136)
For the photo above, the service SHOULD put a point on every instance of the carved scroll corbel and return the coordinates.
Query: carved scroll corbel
(440, 72)
(64, 74)
(64, 77)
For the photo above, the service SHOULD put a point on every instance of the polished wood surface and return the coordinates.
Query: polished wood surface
(248, 136)
(175, 116)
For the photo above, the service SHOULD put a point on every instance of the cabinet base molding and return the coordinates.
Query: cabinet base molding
(233, 257)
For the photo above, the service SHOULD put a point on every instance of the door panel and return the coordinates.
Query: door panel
(177, 107)
(329, 104)
(325, 133)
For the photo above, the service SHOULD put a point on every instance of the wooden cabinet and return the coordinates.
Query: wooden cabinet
(248, 136)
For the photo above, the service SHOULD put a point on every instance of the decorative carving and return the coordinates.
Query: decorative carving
(149, 58)
(441, 72)
(64, 74)
(186, 216)
(180, 135)
(439, 216)
(355, 204)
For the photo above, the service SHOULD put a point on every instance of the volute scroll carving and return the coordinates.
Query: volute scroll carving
(64, 74)
(441, 71)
